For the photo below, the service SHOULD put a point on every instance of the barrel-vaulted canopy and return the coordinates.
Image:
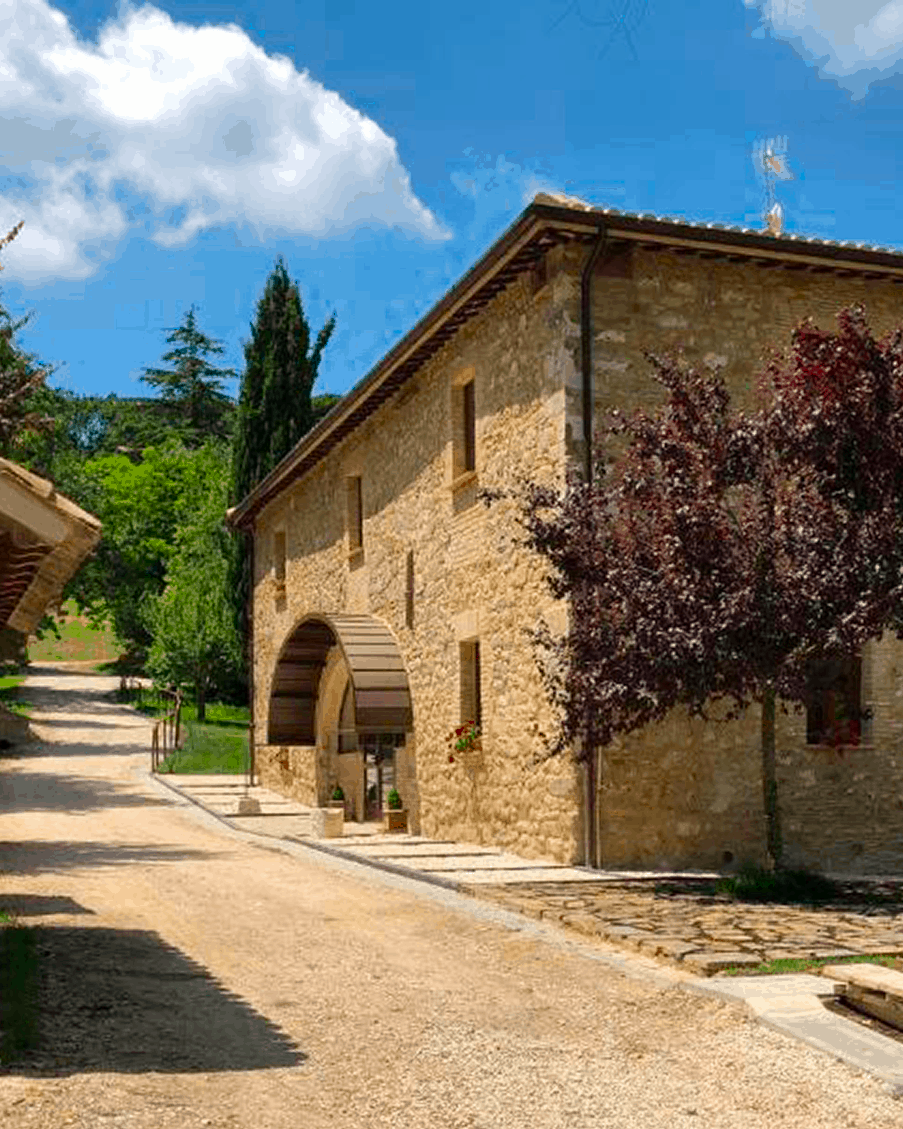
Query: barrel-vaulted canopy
(382, 697)
(43, 540)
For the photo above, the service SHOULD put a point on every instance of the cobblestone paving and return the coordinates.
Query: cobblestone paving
(687, 924)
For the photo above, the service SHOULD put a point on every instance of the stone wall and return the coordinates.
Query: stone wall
(471, 579)
(290, 770)
(687, 794)
(13, 647)
(683, 793)
(842, 809)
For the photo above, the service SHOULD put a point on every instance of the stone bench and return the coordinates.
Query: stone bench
(871, 988)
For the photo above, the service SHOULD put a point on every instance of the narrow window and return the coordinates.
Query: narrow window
(409, 589)
(834, 713)
(471, 695)
(279, 560)
(355, 514)
(469, 427)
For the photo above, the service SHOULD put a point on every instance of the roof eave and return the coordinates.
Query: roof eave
(568, 221)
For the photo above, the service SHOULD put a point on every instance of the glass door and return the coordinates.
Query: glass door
(379, 771)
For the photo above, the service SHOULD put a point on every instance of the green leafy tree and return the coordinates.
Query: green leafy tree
(193, 388)
(141, 506)
(195, 643)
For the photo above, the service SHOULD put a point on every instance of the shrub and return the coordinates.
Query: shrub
(393, 800)
(337, 793)
(755, 884)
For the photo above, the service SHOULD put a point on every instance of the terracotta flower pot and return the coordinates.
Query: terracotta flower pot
(396, 819)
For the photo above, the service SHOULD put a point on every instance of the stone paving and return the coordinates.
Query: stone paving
(675, 918)
(681, 921)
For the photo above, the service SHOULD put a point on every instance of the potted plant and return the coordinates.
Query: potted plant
(466, 743)
(396, 816)
(337, 799)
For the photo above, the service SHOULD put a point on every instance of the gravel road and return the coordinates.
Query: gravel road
(195, 977)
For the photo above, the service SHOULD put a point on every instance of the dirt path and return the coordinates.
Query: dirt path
(195, 978)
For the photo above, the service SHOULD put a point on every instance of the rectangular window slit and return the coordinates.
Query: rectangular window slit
(409, 589)
(279, 559)
(469, 421)
(471, 692)
(355, 514)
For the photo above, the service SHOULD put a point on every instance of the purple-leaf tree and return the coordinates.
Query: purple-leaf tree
(719, 554)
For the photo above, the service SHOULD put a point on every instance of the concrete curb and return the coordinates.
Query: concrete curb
(376, 864)
(794, 1005)
(790, 1004)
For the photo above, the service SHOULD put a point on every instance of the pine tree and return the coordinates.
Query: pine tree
(275, 405)
(194, 387)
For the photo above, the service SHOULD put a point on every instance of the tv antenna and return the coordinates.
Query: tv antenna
(623, 17)
(770, 160)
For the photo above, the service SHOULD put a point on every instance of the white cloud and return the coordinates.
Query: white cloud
(497, 186)
(855, 42)
(172, 129)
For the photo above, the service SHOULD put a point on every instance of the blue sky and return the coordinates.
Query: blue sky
(164, 155)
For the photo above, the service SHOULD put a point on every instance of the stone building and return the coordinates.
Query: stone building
(43, 540)
(390, 604)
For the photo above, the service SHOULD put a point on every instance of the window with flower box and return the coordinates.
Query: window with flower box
(471, 692)
(834, 713)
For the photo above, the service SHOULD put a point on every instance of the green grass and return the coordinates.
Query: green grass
(78, 642)
(18, 989)
(219, 744)
(803, 964)
(9, 695)
(210, 748)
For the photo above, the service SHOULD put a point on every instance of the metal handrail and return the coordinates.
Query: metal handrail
(167, 732)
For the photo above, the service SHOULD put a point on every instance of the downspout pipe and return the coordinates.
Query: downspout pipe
(590, 846)
(252, 735)
(586, 349)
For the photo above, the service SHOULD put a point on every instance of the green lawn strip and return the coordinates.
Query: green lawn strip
(210, 748)
(78, 641)
(18, 989)
(9, 695)
(805, 964)
(218, 745)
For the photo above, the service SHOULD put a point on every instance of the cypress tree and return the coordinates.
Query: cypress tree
(275, 406)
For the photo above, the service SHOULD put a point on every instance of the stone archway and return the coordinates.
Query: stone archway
(380, 692)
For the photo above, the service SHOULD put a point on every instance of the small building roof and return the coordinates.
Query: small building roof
(547, 221)
(44, 538)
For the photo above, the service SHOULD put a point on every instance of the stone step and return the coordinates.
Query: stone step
(871, 988)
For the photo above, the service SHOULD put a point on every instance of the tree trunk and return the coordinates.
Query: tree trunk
(769, 779)
(201, 695)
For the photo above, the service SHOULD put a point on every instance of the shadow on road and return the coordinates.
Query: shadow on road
(37, 750)
(77, 699)
(22, 791)
(126, 1001)
(53, 856)
(39, 905)
(90, 723)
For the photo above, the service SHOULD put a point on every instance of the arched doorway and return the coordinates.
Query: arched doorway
(375, 712)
